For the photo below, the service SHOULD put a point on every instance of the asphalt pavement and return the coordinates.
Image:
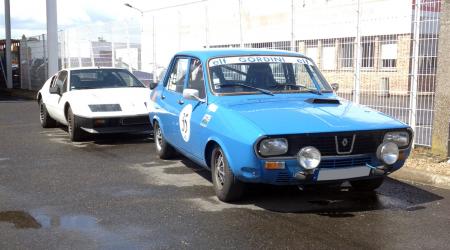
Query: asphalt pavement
(112, 192)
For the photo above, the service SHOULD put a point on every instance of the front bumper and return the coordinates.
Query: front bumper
(126, 124)
(331, 169)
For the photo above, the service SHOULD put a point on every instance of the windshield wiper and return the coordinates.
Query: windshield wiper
(264, 91)
(317, 92)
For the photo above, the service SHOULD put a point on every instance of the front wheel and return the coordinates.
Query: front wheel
(44, 117)
(163, 149)
(227, 187)
(367, 185)
(74, 128)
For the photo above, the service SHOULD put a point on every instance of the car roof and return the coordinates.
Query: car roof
(205, 54)
(83, 68)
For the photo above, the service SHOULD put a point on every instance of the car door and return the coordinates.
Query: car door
(193, 118)
(172, 100)
(55, 104)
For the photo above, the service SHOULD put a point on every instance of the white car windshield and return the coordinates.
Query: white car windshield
(265, 74)
(103, 78)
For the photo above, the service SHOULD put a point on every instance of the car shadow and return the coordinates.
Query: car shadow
(342, 201)
(113, 139)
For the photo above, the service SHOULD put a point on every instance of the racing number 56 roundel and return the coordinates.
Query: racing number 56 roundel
(185, 122)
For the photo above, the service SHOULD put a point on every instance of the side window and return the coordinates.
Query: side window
(64, 88)
(178, 75)
(61, 81)
(53, 82)
(196, 80)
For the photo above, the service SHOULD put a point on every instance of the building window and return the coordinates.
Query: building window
(367, 54)
(311, 50)
(328, 56)
(346, 51)
(389, 54)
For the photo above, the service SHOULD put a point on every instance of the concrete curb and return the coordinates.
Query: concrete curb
(422, 177)
(22, 93)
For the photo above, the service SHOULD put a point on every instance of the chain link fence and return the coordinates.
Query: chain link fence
(382, 53)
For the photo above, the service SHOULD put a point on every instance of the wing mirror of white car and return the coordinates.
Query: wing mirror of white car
(192, 94)
(335, 86)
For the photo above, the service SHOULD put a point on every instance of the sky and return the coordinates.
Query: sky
(29, 16)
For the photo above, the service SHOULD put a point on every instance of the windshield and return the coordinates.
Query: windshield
(102, 78)
(265, 74)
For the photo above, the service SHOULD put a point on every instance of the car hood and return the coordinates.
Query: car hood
(131, 100)
(291, 116)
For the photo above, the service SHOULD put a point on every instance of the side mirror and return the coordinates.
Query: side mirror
(335, 86)
(192, 94)
(153, 85)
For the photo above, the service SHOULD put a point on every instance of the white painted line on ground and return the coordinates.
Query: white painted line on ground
(212, 204)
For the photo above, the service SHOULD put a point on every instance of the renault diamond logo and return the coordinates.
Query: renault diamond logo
(344, 144)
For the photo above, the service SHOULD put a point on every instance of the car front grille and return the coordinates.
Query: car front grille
(285, 177)
(346, 143)
(346, 162)
(140, 120)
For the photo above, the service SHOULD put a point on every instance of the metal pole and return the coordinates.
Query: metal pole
(66, 44)
(113, 53)
(9, 82)
(415, 66)
(52, 37)
(206, 25)
(357, 78)
(241, 42)
(80, 63)
(44, 57)
(292, 26)
(154, 49)
(92, 53)
(128, 49)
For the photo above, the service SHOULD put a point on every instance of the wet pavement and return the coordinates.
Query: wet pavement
(113, 193)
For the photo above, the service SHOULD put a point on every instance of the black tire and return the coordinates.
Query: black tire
(367, 185)
(73, 127)
(44, 117)
(227, 187)
(163, 149)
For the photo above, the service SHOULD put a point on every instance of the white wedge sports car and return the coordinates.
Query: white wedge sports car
(95, 100)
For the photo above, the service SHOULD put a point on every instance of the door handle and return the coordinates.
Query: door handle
(181, 102)
(163, 97)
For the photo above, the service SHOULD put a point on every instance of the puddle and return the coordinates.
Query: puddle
(82, 223)
(20, 219)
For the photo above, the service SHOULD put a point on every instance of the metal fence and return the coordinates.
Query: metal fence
(382, 53)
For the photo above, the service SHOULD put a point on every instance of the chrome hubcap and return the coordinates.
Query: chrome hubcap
(220, 168)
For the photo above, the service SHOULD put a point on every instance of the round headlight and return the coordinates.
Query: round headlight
(309, 157)
(387, 152)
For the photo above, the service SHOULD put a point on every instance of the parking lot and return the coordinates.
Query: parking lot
(113, 192)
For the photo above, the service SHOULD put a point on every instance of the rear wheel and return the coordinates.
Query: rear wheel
(227, 187)
(73, 127)
(44, 117)
(367, 185)
(163, 149)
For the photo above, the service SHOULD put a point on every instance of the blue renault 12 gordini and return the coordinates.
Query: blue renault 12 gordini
(266, 116)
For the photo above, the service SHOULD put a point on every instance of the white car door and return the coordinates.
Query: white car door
(55, 104)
